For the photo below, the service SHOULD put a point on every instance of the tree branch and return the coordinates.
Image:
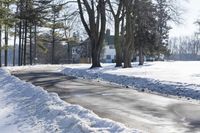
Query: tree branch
(83, 19)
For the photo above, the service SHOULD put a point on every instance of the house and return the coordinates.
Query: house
(108, 52)
(81, 53)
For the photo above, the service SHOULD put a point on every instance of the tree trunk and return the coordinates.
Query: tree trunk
(96, 52)
(129, 38)
(14, 48)
(22, 50)
(20, 47)
(118, 47)
(35, 43)
(53, 47)
(53, 41)
(141, 55)
(128, 50)
(6, 46)
(96, 27)
(123, 34)
(117, 17)
(30, 52)
(99, 35)
(0, 46)
(25, 40)
(127, 58)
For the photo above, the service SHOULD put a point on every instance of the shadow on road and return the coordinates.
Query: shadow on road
(144, 111)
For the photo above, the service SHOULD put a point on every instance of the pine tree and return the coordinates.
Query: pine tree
(145, 29)
(38, 16)
(31, 14)
(7, 21)
(54, 21)
(166, 11)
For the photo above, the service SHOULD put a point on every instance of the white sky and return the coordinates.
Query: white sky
(190, 15)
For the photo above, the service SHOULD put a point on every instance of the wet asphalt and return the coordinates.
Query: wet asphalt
(144, 111)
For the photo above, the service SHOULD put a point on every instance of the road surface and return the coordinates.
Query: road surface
(148, 112)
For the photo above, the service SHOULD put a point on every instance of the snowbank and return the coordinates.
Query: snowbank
(170, 78)
(26, 108)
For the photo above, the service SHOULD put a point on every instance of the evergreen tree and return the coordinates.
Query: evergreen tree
(31, 14)
(145, 28)
(55, 21)
(166, 11)
(55, 24)
(6, 20)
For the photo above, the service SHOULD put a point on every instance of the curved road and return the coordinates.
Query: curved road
(148, 112)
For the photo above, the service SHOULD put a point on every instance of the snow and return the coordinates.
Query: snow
(26, 108)
(176, 78)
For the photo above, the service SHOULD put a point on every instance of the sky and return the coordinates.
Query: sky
(190, 14)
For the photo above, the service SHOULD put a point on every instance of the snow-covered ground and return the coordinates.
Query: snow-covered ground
(170, 78)
(25, 108)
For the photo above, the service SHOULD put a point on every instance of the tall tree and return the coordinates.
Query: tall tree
(31, 14)
(130, 32)
(14, 47)
(96, 13)
(0, 45)
(118, 16)
(8, 21)
(1, 16)
(38, 15)
(20, 16)
(55, 24)
(145, 29)
(6, 45)
(167, 11)
(31, 46)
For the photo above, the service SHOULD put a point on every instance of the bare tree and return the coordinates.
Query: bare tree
(95, 28)
(130, 32)
(118, 16)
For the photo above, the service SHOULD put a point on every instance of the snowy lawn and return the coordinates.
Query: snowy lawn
(170, 78)
(25, 108)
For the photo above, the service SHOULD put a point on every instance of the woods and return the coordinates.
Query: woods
(140, 28)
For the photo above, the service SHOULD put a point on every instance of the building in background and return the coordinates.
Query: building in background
(108, 52)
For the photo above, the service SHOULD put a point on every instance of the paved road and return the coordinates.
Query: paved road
(144, 111)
